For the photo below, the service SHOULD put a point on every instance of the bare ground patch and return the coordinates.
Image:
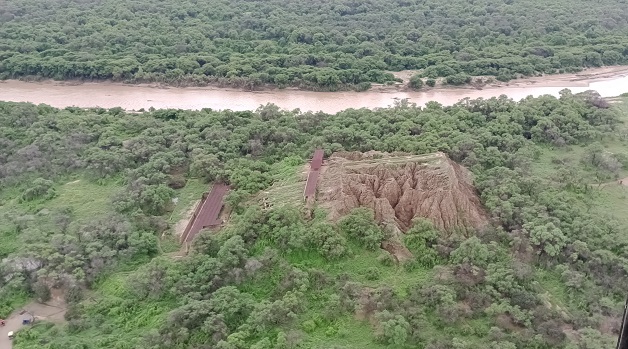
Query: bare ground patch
(180, 226)
(51, 311)
(395, 246)
(610, 325)
(400, 188)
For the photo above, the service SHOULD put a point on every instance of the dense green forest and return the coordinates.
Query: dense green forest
(86, 207)
(325, 45)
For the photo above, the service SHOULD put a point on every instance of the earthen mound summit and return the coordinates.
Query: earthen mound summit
(401, 187)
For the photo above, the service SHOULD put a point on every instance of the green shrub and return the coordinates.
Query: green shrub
(331, 331)
(458, 79)
(386, 259)
(42, 291)
(416, 82)
(41, 189)
(372, 274)
(308, 326)
(411, 265)
(343, 332)
(360, 226)
(419, 240)
(363, 86)
(395, 328)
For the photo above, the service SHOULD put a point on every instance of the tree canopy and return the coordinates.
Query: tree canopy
(315, 45)
(278, 278)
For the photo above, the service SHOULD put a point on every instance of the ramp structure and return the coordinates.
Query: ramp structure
(312, 178)
(622, 341)
(207, 212)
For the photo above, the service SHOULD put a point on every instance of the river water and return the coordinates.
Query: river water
(130, 97)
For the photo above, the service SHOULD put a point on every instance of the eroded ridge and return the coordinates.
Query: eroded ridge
(400, 188)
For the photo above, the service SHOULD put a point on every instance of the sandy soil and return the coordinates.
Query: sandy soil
(404, 75)
(619, 182)
(579, 79)
(53, 311)
(179, 228)
(400, 188)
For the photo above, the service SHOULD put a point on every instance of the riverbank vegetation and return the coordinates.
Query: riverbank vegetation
(312, 45)
(86, 196)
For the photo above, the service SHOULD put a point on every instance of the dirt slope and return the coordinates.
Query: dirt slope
(400, 188)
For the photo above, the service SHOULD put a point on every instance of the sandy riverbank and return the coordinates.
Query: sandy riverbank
(608, 81)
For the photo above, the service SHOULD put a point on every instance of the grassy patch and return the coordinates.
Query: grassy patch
(612, 200)
(346, 332)
(545, 166)
(186, 197)
(87, 199)
(289, 178)
(12, 301)
(555, 290)
(169, 243)
(10, 242)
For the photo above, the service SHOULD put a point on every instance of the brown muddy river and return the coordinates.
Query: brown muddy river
(130, 97)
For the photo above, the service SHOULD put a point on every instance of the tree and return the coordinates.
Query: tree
(472, 251)
(458, 79)
(393, 328)
(548, 238)
(207, 167)
(42, 291)
(416, 82)
(327, 241)
(593, 339)
(503, 345)
(40, 189)
(360, 225)
(153, 280)
(420, 239)
(155, 199)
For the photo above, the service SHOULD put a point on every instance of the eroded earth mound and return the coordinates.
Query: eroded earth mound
(400, 188)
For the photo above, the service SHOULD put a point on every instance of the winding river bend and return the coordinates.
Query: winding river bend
(131, 97)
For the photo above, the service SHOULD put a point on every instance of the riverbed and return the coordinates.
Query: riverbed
(608, 81)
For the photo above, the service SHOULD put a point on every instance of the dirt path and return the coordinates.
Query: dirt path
(12, 324)
(619, 182)
(180, 226)
(52, 312)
